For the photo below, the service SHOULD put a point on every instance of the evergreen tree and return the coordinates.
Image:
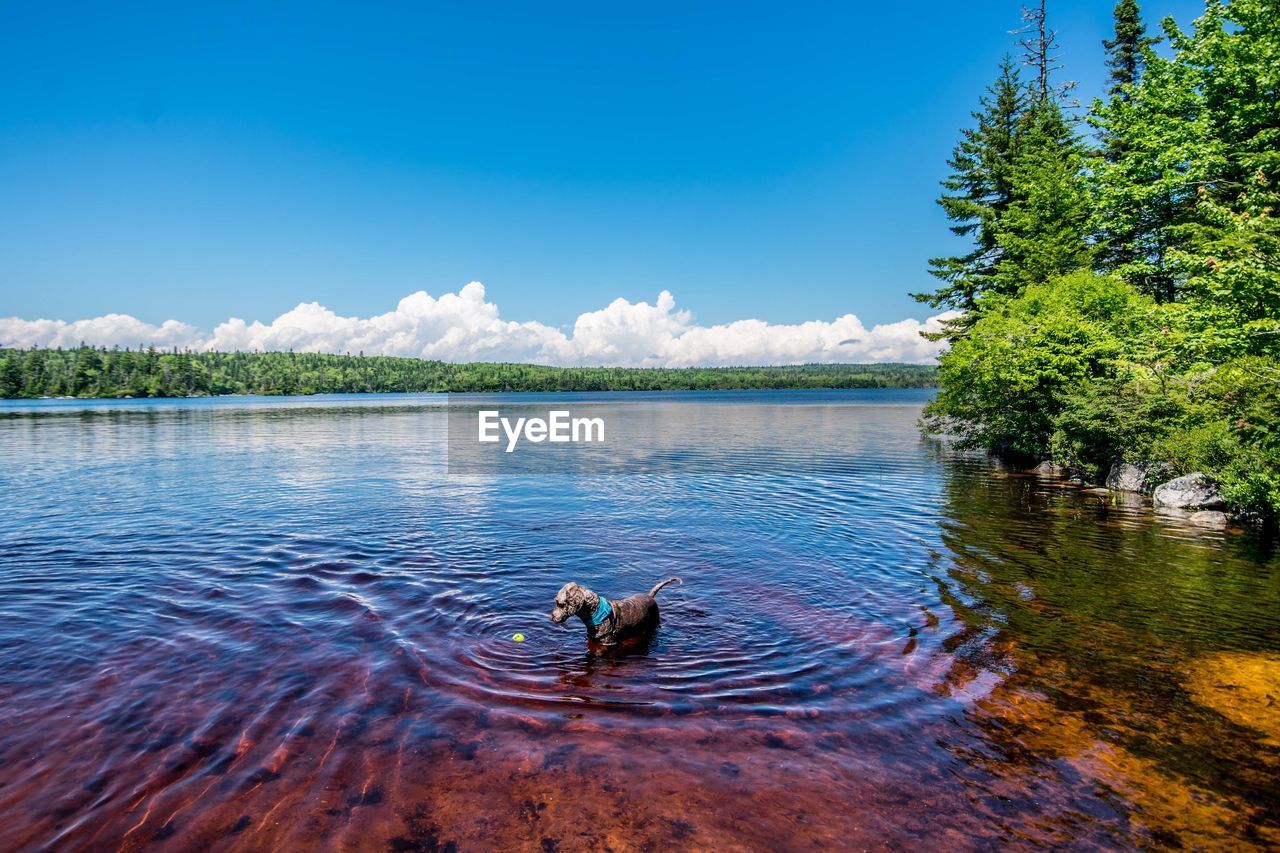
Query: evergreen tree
(1159, 149)
(1035, 47)
(1183, 200)
(1127, 51)
(1044, 233)
(978, 192)
(93, 372)
(33, 377)
(1016, 187)
(1130, 232)
(1126, 58)
(10, 375)
(87, 370)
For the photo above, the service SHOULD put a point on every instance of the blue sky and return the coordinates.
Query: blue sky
(773, 161)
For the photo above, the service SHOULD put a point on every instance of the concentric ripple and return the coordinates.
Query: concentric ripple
(283, 623)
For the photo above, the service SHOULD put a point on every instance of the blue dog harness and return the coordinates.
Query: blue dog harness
(603, 611)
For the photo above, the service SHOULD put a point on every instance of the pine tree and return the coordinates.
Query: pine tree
(978, 192)
(10, 375)
(1158, 149)
(1126, 58)
(1122, 244)
(33, 380)
(1045, 230)
(1126, 52)
(1044, 233)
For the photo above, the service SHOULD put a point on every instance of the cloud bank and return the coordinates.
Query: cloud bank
(463, 326)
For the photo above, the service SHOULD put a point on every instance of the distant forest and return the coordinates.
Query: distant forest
(94, 372)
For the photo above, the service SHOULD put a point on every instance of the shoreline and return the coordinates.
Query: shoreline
(97, 373)
(485, 391)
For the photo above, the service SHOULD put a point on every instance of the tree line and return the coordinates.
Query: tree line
(99, 372)
(1120, 285)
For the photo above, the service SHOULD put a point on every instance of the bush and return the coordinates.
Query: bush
(1005, 384)
(1230, 431)
(1086, 370)
(1111, 419)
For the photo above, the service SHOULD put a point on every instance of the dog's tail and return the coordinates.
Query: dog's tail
(654, 591)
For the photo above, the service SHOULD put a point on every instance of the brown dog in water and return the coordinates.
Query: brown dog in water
(608, 622)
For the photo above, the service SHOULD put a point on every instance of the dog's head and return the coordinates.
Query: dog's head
(570, 599)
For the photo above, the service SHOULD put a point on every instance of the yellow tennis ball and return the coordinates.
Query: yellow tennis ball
(519, 638)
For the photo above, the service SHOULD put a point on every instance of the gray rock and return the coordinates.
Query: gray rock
(1049, 468)
(1194, 491)
(1127, 477)
(1135, 476)
(1209, 518)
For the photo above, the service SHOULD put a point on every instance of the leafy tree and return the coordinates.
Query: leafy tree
(1188, 194)
(1173, 355)
(1004, 385)
(1160, 149)
(1228, 260)
(1230, 265)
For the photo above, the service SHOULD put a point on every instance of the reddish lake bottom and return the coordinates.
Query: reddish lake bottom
(289, 628)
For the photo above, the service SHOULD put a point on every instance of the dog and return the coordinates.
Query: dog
(608, 622)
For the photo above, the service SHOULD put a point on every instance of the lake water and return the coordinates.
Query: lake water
(252, 623)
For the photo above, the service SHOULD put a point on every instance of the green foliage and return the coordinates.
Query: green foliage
(1231, 427)
(1126, 53)
(1170, 351)
(1044, 232)
(978, 192)
(1086, 370)
(1007, 382)
(1230, 268)
(90, 372)
(1196, 160)
(1113, 418)
(1016, 190)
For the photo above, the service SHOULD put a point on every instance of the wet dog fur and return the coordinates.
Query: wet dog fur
(635, 616)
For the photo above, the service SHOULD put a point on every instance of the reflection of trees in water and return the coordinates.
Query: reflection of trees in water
(1098, 616)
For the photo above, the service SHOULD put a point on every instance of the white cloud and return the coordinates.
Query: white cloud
(107, 330)
(463, 326)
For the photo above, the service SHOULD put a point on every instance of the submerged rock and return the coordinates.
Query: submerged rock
(1209, 518)
(1243, 687)
(1135, 476)
(1194, 491)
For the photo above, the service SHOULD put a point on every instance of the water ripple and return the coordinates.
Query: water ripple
(214, 612)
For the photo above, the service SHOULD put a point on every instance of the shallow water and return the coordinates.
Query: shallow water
(253, 623)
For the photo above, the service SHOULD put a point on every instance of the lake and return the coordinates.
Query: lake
(264, 623)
